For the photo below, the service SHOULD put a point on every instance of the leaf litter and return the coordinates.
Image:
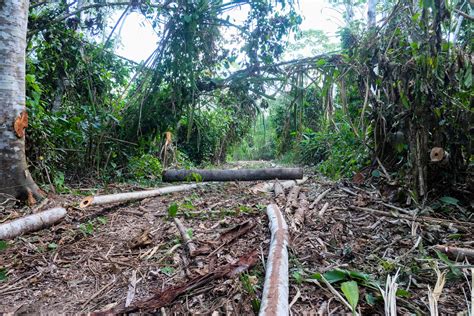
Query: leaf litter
(102, 254)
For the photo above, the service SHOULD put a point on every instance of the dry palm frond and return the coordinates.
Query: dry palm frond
(433, 296)
(389, 295)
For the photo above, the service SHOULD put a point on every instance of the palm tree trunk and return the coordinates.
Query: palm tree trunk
(15, 180)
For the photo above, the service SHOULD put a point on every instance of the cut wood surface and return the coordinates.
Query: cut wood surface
(233, 174)
(133, 196)
(31, 223)
(275, 289)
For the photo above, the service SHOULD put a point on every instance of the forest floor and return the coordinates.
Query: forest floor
(97, 257)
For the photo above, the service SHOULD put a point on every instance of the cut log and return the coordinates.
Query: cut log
(31, 223)
(133, 196)
(233, 175)
(275, 289)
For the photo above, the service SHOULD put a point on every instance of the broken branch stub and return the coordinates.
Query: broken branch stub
(233, 174)
(133, 196)
(31, 223)
(275, 289)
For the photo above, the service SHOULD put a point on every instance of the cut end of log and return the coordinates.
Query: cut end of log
(436, 154)
(86, 202)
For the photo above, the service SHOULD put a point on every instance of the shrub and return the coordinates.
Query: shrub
(146, 169)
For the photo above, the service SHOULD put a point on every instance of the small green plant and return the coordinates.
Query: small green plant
(3, 275)
(249, 283)
(3, 245)
(102, 220)
(169, 271)
(52, 246)
(173, 210)
(146, 169)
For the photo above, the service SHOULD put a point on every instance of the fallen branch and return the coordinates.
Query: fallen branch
(185, 236)
(275, 289)
(459, 253)
(233, 174)
(133, 196)
(233, 233)
(167, 296)
(420, 219)
(31, 223)
(319, 198)
(298, 219)
(269, 186)
(323, 209)
(292, 200)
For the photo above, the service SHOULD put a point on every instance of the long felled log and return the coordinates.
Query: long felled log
(133, 196)
(233, 175)
(275, 289)
(31, 223)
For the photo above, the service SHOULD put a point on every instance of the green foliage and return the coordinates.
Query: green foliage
(169, 271)
(173, 210)
(336, 153)
(145, 169)
(3, 245)
(3, 275)
(351, 292)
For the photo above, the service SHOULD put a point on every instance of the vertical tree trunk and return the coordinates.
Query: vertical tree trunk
(371, 13)
(15, 180)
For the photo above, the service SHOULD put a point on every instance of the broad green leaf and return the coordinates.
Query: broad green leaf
(449, 200)
(351, 292)
(173, 210)
(370, 299)
(335, 276)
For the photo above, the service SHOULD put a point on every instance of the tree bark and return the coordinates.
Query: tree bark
(15, 180)
(233, 175)
(371, 13)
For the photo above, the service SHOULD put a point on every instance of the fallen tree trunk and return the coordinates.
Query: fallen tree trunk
(233, 175)
(133, 196)
(275, 289)
(31, 223)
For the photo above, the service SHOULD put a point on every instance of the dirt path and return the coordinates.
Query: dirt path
(87, 262)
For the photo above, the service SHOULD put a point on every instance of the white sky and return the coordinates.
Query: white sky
(138, 39)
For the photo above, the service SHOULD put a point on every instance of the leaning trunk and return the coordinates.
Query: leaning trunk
(15, 180)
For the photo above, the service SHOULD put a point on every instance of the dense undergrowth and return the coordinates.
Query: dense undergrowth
(381, 100)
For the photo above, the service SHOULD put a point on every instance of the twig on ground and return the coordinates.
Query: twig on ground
(319, 198)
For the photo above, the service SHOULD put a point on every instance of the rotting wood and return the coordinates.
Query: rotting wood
(185, 236)
(31, 223)
(133, 196)
(298, 219)
(166, 296)
(275, 289)
(278, 189)
(456, 252)
(420, 219)
(269, 186)
(292, 200)
(319, 198)
(233, 174)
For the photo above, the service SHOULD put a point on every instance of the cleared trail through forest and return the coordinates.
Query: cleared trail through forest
(119, 256)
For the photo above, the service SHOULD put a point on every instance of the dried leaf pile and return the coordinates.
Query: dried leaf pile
(130, 257)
